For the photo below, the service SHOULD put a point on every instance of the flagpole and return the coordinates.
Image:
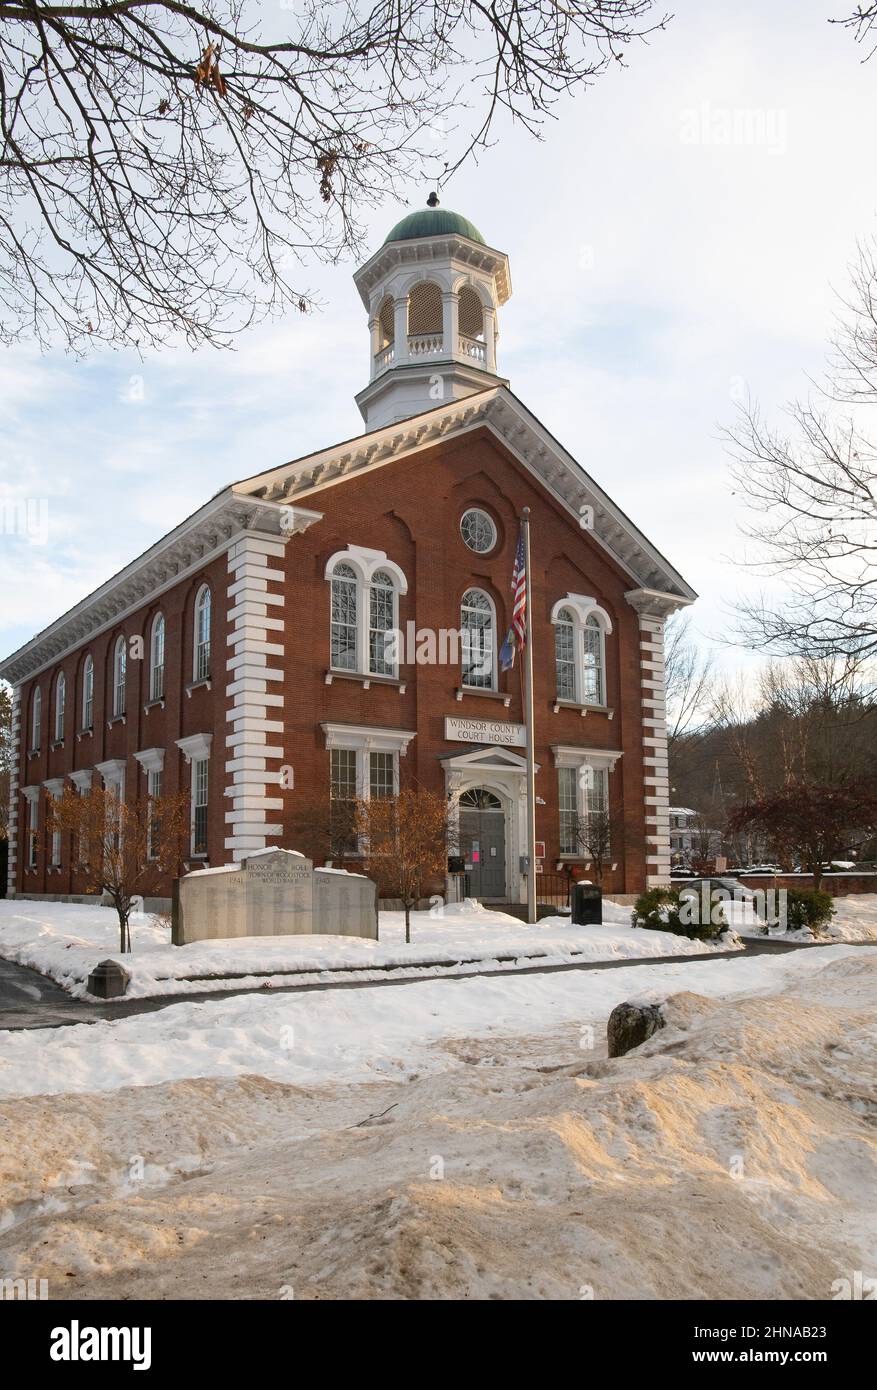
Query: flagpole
(528, 724)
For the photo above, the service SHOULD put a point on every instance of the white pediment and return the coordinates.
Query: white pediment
(492, 758)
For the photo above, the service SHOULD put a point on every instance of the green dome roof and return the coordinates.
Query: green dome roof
(433, 222)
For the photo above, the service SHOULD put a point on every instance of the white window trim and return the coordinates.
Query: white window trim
(362, 741)
(365, 564)
(197, 644)
(582, 608)
(32, 797)
(494, 641)
(153, 694)
(195, 748)
(88, 693)
(55, 788)
(81, 780)
(60, 705)
(480, 511)
(120, 677)
(36, 719)
(599, 760)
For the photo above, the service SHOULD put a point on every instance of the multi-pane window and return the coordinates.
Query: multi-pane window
(153, 788)
(32, 814)
(382, 774)
(569, 809)
(60, 705)
(56, 847)
(201, 667)
(156, 666)
(88, 694)
(583, 794)
(120, 664)
(478, 639)
(343, 794)
(36, 716)
(592, 671)
(381, 624)
(200, 768)
(343, 774)
(564, 655)
(343, 655)
(478, 531)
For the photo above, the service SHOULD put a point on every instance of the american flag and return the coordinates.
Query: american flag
(517, 634)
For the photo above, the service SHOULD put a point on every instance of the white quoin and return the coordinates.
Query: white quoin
(431, 293)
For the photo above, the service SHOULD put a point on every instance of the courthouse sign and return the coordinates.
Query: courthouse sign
(485, 731)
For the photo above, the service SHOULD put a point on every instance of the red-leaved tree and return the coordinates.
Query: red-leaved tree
(810, 822)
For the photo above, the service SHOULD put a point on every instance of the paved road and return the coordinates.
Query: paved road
(30, 1000)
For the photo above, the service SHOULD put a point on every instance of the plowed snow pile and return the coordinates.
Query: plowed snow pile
(733, 1156)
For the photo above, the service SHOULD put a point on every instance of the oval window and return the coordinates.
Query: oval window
(478, 531)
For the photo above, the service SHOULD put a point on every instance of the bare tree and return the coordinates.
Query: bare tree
(689, 676)
(123, 848)
(406, 839)
(166, 167)
(812, 486)
(323, 828)
(595, 835)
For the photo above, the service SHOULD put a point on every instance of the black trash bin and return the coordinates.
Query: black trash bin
(587, 905)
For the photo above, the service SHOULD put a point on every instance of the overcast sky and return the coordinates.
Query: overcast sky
(658, 270)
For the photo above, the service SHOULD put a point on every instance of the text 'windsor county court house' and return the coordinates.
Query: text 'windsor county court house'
(263, 621)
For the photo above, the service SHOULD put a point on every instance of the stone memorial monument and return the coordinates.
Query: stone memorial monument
(274, 892)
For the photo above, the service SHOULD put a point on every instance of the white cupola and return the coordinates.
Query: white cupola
(432, 292)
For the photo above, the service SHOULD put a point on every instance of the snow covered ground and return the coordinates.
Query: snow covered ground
(66, 940)
(456, 1139)
(361, 1035)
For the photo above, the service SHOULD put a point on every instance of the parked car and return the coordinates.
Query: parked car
(740, 904)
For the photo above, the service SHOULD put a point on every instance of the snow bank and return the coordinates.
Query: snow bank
(66, 940)
(369, 1034)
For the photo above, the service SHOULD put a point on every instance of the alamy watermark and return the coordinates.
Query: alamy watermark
(27, 517)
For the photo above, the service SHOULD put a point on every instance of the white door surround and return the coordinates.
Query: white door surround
(503, 772)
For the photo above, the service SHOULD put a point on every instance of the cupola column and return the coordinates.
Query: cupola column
(400, 329)
(489, 337)
(451, 323)
(374, 329)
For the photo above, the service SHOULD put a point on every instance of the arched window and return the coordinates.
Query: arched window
(36, 717)
(344, 618)
(386, 322)
(382, 624)
(60, 705)
(120, 668)
(478, 624)
(201, 662)
(88, 693)
(156, 659)
(471, 313)
(564, 654)
(364, 616)
(580, 628)
(593, 670)
(425, 309)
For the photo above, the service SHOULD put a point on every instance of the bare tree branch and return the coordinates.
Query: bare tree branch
(165, 169)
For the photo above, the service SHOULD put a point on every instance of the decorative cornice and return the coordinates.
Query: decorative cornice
(655, 603)
(422, 251)
(195, 746)
(151, 759)
(192, 544)
(498, 410)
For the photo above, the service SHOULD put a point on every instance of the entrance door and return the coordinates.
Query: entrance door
(482, 843)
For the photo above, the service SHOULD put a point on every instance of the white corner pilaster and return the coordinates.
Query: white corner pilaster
(254, 684)
(12, 830)
(653, 608)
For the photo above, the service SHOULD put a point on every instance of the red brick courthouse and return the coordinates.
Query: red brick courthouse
(263, 679)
